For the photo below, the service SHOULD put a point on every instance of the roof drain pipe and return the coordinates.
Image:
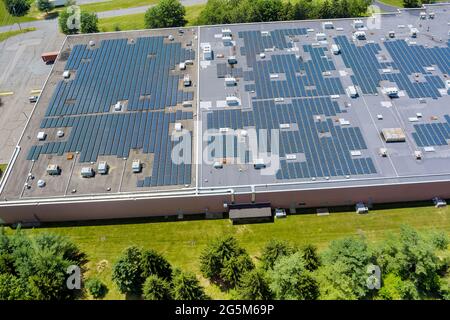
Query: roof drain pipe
(253, 193)
(232, 196)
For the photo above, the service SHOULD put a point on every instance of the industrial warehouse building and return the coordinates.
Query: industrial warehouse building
(354, 113)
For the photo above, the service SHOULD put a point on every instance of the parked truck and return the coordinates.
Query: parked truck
(49, 57)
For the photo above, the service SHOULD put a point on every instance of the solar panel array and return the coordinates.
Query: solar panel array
(432, 134)
(406, 61)
(139, 72)
(323, 146)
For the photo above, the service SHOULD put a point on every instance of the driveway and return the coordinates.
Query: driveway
(385, 7)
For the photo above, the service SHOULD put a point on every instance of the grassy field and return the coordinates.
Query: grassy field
(9, 34)
(115, 4)
(136, 21)
(182, 241)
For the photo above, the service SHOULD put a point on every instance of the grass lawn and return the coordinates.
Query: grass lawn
(9, 34)
(115, 4)
(182, 241)
(136, 21)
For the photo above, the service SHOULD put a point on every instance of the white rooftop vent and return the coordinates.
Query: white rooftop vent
(262, 55)
(291, 157)
(414, 32)
(189, 62)
(383, 152)
(423, 15)
(379, 116)
(102, 167)
(244, 133)
(182, 66)
(91, 43)
(170, 37)
(352, 92)
(226, 32)
(285, 125)
(136, 166)
(41, 135)
(344, 122)
(118, 106)
(232, 60)
(392, 92)
(186, 80)
(223, 130)
(429, 149)
(41, 183)
(187, 104)
(218, 165)
(391, 34)
(60, 133)
(178, 126)
(418, 154)
(355, 153)
(66, 74)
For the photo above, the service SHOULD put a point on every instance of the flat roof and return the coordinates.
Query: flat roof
(289, 85)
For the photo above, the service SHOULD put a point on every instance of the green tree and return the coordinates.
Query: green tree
(96, 288)
(344, 274)
(13, 288)
(291, 281)
(17, 8)
(166, 14)
(234, 268)
(411, 3)
(325, 11)
(44, 5)
(153, 263)
(127, 272)
(273, 250)
(310, 257)
(156, 288)
(214, 256)
(254, 285)
(394, 288)
(89, 22)
(187, 287)
(439, 239)
(69, 20)
(304, 9)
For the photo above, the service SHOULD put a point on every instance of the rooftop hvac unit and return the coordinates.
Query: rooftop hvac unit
(429, 149)
(227, 40)
(136, 166)
(226, 32)
(335, 49)
(358, 24)
(218, 165)
(379, 116)
(285, 125)
(321, 37)
(392, 92)
(230, 81)
(431, 15)
(439, 203)
(232, 101)
(207, 52)
(423, 15)
(352, 92)
(53, 170)
(118, 106)
(361, 208)
(232, 60)
(102, 167)
(414, 32)
(259, 164)
(41, 135)
(87, 172)
(182, 66)
(178, 126)
(186, 80)
(360, 35)
(355, 153)
(391, 34)
(280, 213)
(223, 130)
(418, 154)
(66, 74)
(393, 135)
(328, 25)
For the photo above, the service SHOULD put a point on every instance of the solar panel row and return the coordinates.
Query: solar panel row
(432, 134)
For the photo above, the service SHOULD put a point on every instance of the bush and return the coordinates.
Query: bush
(96, 288)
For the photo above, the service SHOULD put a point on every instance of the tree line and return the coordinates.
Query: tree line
(410, 265)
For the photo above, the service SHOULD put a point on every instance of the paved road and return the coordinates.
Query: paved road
(385, 7)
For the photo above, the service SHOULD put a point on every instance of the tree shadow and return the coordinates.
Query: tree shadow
(51, 15)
